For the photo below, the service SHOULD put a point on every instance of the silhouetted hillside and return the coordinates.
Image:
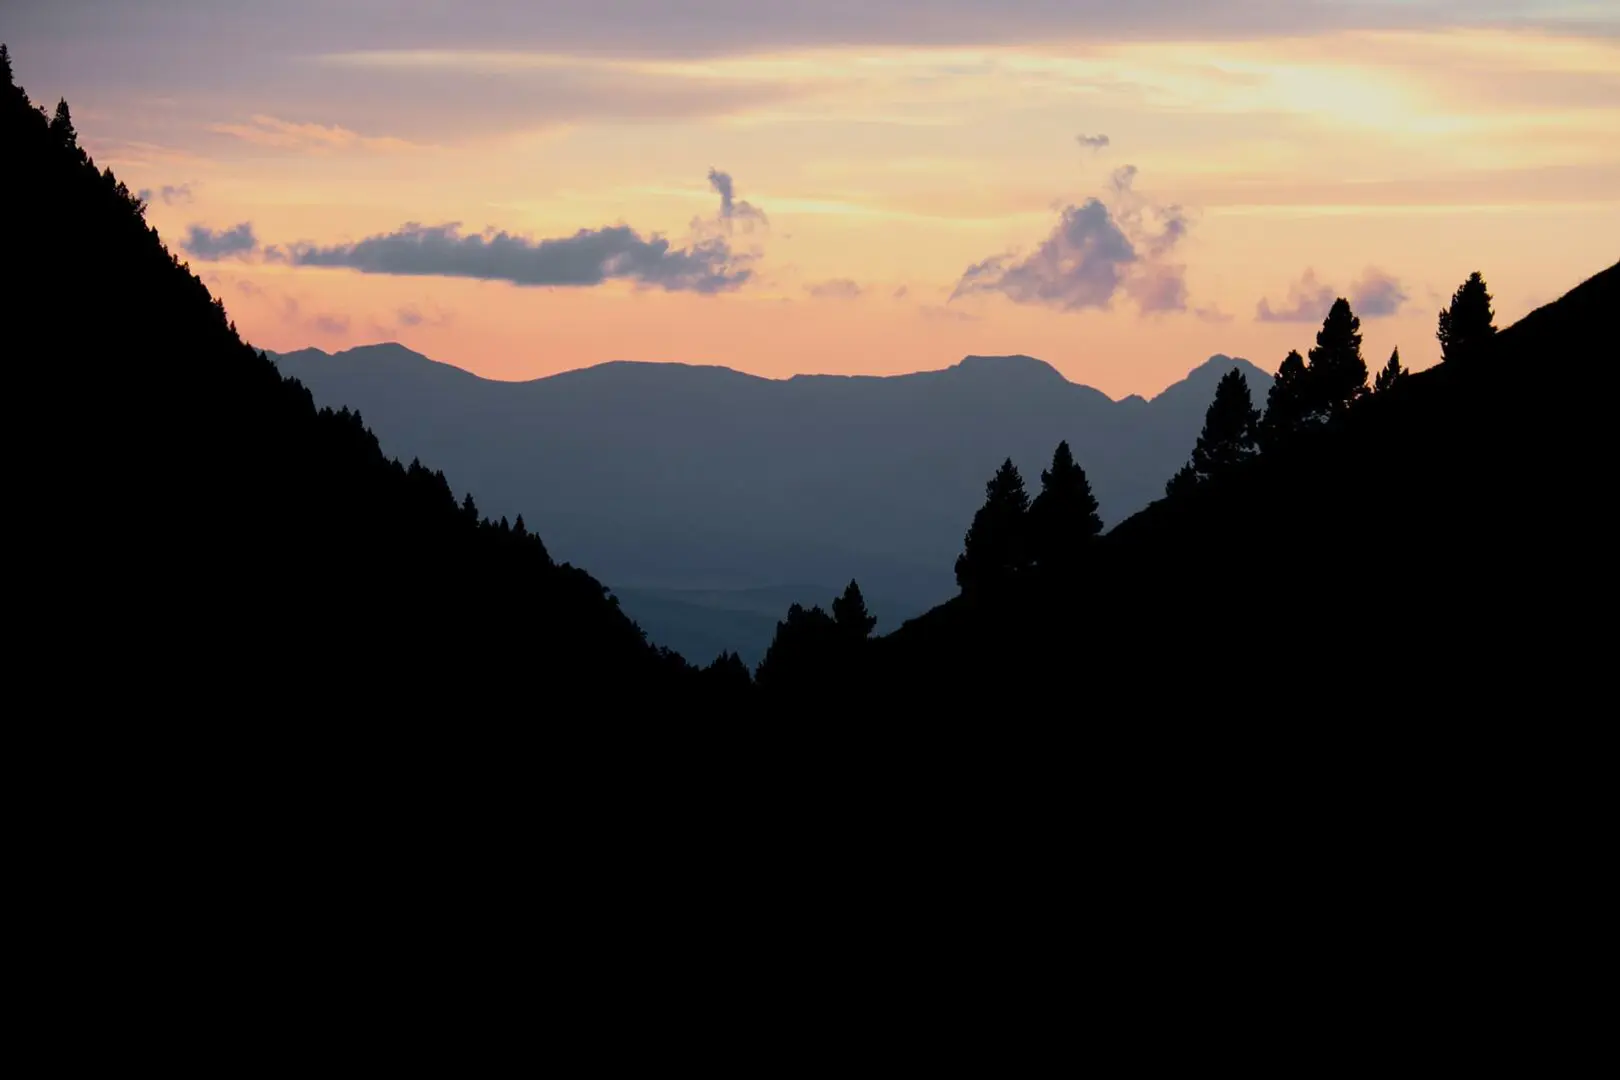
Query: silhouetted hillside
(665, 478)
(198, 529)
(1441, 544)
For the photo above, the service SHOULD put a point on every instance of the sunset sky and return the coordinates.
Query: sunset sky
(1121, 188)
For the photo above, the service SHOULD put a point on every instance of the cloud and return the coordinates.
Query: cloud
(1374, 295)
(169, 193)
(1094, 252)
(1377, 294)
(589, 257)
(902, 292)
(1308, 301)
(1092, 142)
(1212, 315)
(835, 289)
(939, 311)
(204, 243)
(331, 324)
(311, 138)
(707, 264)
(410, 315)
(732, 210)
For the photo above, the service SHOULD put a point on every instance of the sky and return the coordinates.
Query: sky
(851, 186)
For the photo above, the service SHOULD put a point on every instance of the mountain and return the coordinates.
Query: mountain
(666, 478)
(201, 537)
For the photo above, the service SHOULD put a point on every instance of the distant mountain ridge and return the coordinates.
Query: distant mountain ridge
(666, 477)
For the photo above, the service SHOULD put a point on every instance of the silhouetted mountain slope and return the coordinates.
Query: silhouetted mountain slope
(199, 528)
(1444, 543)
(664, 476)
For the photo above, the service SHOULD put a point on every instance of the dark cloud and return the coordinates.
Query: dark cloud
(589, 257)
(1093, 253)
(204, 243)
(731, 209)
(1092, 142)
(706, 264)
(1377, 294)
(169, 193)
(836, 289)
(1308, 301)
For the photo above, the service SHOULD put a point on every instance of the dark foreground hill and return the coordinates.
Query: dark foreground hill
(1442, 552)
(195, 529)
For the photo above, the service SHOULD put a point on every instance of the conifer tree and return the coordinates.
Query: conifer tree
(1391, 374)
(1230, 425)
(1063, 519)
(849, 612)
(1185, 480)
(6, 79)
(1468, 323)
(995, 547)
(62, 125)
(1338, 374)
(1287, 402)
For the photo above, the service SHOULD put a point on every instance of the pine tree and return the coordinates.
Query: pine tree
(1286, 403)
(62, 126)
(849, 612)
(1338, 374)
(1230, 424)
(995, 549)
(1468, 323)
(6, 79)
(1063, 519)
(1185, 480)
(1391, 374)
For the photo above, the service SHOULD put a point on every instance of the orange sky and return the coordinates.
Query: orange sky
(1387, 160)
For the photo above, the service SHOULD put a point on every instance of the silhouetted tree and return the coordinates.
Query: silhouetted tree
(995, 547)
(1063, 519)
(1391, 374)
(804, 653)
(728, 673)
(1468, 323)
(62, 126)
(1229, 437)
(1337, 373)
(6, 79)
(849, 612)
(1185, 480)
(1287, 402)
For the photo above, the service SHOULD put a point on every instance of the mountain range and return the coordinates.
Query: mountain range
(709, 499)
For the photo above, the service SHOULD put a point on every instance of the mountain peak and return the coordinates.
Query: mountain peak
(1009, 367)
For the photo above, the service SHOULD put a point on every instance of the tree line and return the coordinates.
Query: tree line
(1015, 543)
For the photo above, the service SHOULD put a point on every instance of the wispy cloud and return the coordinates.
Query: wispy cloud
(1377, 294)
(1095, 251)
(835, 289)
(1374, 295)
(236, 242)
(732, 209)
(309, 138)
(412, 315)
(169, 193)
(1092, 142)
